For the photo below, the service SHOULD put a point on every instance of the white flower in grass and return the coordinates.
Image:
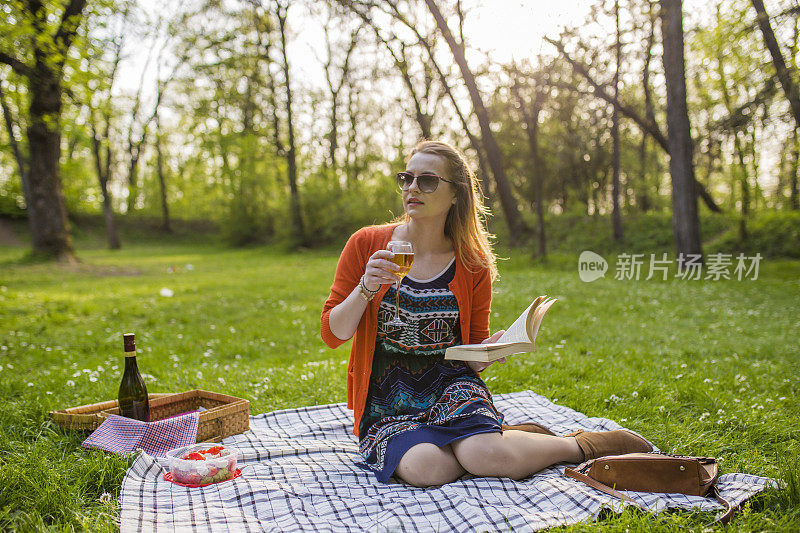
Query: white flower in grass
(105, 497)
(70, 383)
(635, 394)
(704, 416)
(221, 380)
(30, 384)
(166, 292)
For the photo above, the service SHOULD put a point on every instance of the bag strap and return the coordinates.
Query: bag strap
(723, 518)
(602, 487)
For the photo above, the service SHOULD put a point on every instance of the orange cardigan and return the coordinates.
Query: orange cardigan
(472, 290)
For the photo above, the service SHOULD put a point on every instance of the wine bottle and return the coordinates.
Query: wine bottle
(133, 401)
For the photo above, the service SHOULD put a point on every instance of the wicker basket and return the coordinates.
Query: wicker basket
(225, 415)
(87, 417)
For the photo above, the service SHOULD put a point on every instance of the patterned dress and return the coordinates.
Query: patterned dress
(415, 395)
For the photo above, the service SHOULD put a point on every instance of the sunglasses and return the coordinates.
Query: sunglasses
(426, 182)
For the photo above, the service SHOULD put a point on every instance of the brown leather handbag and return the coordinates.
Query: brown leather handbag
(652, 472)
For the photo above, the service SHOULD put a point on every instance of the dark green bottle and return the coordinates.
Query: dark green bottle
(133, 401)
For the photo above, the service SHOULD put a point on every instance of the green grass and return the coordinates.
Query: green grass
(699, 367)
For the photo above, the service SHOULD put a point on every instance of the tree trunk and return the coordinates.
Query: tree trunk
(162, 184)
(643, 197)
(12, 139)
(685, 219)
(616, 217)
(298, 228)
(103, 169)
(784, 75)
(532, 128)
(516, 226)
(794, 201)
(351, 155)
(47, 213)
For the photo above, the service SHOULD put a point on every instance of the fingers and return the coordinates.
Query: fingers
(494, 337)
(379, 270)
(477, 366)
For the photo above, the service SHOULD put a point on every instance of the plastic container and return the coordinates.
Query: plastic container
(214, 468)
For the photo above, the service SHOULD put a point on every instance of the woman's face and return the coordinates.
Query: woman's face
(420, 205)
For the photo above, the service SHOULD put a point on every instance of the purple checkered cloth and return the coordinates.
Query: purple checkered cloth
(121, 435)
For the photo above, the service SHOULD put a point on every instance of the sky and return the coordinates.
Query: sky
(505, 29)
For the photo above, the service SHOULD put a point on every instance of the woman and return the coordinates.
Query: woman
(419, 417)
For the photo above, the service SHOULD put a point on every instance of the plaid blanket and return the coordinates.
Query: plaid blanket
(121, 435)
(299, 474)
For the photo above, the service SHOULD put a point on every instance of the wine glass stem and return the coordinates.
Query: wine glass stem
(397, 301)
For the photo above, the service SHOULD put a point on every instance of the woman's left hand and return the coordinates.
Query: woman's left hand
(479, 366)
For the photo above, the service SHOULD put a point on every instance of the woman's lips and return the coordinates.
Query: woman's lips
(413, 201)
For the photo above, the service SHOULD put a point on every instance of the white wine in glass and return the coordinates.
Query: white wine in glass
(404, 258)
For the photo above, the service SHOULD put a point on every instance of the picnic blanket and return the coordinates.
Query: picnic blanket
(299, 473)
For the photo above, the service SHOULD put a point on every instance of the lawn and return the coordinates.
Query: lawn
(700, 367)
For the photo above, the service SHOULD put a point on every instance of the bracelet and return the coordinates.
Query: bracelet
(364, 292)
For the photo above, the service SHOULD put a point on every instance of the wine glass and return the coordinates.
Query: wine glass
(404, 258)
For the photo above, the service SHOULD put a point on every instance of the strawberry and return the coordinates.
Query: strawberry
(192, 478)
(194, 456)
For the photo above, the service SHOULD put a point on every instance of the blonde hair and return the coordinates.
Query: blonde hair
(465, 223)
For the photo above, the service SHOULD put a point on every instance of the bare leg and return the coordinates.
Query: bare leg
(514, 454)
(426, 464)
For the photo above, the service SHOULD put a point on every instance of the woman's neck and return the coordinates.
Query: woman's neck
(428, 237)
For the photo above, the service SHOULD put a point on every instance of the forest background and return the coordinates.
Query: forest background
(277, 122)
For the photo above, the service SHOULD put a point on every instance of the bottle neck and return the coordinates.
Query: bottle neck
(130, 361)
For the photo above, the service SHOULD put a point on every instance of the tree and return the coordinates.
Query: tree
(100, 108)
(784, 76)
(516, 226)
(685, 220)
(788, 85)
(616, 217)
(530, 117)
(42, 54)
(427, 42)
(298, 229)
(646, 124)
(335, 86)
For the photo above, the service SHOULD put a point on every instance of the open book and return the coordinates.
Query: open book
(518, 338)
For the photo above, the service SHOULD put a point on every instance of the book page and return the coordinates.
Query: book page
(538, 315)
(518, 331)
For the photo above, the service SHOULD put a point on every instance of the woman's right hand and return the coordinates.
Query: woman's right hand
(380, 270)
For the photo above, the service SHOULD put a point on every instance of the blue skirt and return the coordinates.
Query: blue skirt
(444, 403)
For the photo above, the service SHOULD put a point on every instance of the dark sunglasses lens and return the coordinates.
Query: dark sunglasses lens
(427, 183)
